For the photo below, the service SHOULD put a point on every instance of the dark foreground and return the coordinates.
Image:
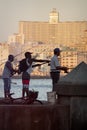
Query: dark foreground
(44, 116)
(68, 112)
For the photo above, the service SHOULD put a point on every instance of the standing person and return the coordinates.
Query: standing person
(25, 66)
(7, 74)
(55, 67)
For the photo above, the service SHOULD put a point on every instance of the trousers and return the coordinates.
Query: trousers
(55, 78)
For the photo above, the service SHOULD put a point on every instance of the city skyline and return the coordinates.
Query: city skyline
(13, 11)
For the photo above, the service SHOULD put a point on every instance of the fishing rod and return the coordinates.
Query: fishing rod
(36, 65)
(81, 53)
(23, 52)
(2, 59)
(38, 54)
(17, 55)
(27, 50)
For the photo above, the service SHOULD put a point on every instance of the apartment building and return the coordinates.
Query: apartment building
(4, 52)
(41, 37)
(52, 31)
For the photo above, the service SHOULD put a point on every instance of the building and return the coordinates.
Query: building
(52, 31)
(69, 58)
(42, 37)
(4, 52)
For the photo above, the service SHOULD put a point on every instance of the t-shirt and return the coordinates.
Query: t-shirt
(29, 70)
(54, 63)
(7, 72)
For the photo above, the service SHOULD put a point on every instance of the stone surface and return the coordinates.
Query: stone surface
(72, 91)
(34, 117)
(78, 112)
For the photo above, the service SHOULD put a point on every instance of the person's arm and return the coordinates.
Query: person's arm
(40, 60)
(10, 67)
(58, 66)
(36, 65)
(65, 69)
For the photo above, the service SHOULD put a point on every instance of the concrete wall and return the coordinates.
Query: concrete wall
(76, 97)
(34, 117)
(78, 112)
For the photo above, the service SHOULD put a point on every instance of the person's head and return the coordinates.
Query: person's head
(28, 54)
(11, 58)
(57, 51)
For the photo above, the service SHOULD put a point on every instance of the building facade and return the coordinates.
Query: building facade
(4, 52)
(52, 31)
(71, 35)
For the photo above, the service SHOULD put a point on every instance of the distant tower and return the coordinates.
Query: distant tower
(54, 16)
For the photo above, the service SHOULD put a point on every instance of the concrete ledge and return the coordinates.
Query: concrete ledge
(71, 90)
(76, 97)
(34, 117)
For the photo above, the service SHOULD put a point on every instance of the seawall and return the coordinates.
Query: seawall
(34, 117)
(76, 97)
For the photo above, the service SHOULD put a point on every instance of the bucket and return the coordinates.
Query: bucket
(51, 97)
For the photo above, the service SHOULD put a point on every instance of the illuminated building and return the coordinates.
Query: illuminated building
(54, 33)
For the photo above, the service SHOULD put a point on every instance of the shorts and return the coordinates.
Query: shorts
(25, 79)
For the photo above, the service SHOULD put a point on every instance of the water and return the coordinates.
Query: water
(41, 85)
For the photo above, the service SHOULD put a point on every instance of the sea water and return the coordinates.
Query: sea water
(41, 85)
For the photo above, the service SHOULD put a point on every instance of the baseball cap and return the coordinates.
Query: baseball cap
(27, 53)
(56, 50)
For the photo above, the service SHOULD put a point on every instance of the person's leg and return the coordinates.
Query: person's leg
(6, 87)
(23, 92)
(55, 77)
(27, 92)
(9, 87)
(25, 81)
(51, 75)
(25, 89)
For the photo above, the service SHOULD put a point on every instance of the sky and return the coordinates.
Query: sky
(13, 11)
